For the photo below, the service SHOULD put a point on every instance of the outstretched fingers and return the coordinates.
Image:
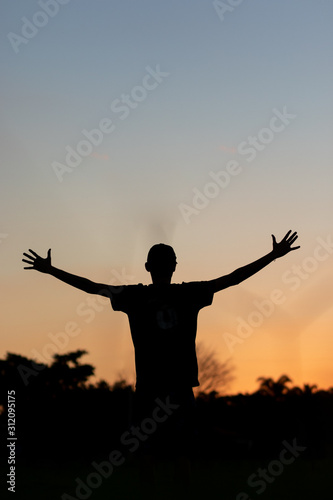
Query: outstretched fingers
(286, 236)
(29, 256)
(292, 240)
(33, 253)
(285, 245)
(32, 258)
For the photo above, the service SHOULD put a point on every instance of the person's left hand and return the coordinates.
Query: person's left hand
(284, 246)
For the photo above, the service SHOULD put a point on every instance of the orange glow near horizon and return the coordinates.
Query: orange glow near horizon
(292, 338)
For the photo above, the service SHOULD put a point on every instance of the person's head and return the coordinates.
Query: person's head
(161, 263)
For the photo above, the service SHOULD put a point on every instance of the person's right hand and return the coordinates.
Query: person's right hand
(38, 263)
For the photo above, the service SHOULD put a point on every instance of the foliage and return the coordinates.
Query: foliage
(60, 413)
(213, 374)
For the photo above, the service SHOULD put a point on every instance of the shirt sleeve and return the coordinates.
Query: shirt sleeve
(125, 298)
(120, 299)
(199, 293)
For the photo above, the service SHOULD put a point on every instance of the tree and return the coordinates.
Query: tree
(214, 375)
(68, 372)
(34, 380)
(271, 388)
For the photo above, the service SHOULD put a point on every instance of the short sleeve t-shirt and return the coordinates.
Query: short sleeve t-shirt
(163, 323)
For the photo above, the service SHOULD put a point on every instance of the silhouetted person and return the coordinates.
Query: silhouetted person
(163, 323)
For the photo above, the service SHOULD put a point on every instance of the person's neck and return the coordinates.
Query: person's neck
(161, 280)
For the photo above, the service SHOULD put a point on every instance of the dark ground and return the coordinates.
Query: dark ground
(304, 479)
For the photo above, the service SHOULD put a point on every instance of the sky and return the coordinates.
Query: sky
(203, 125)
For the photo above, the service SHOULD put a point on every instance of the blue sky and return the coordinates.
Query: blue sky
(224, 80)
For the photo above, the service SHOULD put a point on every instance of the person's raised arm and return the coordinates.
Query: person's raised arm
(44, 266)
(241, 274)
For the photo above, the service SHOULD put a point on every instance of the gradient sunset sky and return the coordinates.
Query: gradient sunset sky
(216, 132)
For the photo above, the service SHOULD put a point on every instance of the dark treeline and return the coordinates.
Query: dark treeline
(59, 413)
